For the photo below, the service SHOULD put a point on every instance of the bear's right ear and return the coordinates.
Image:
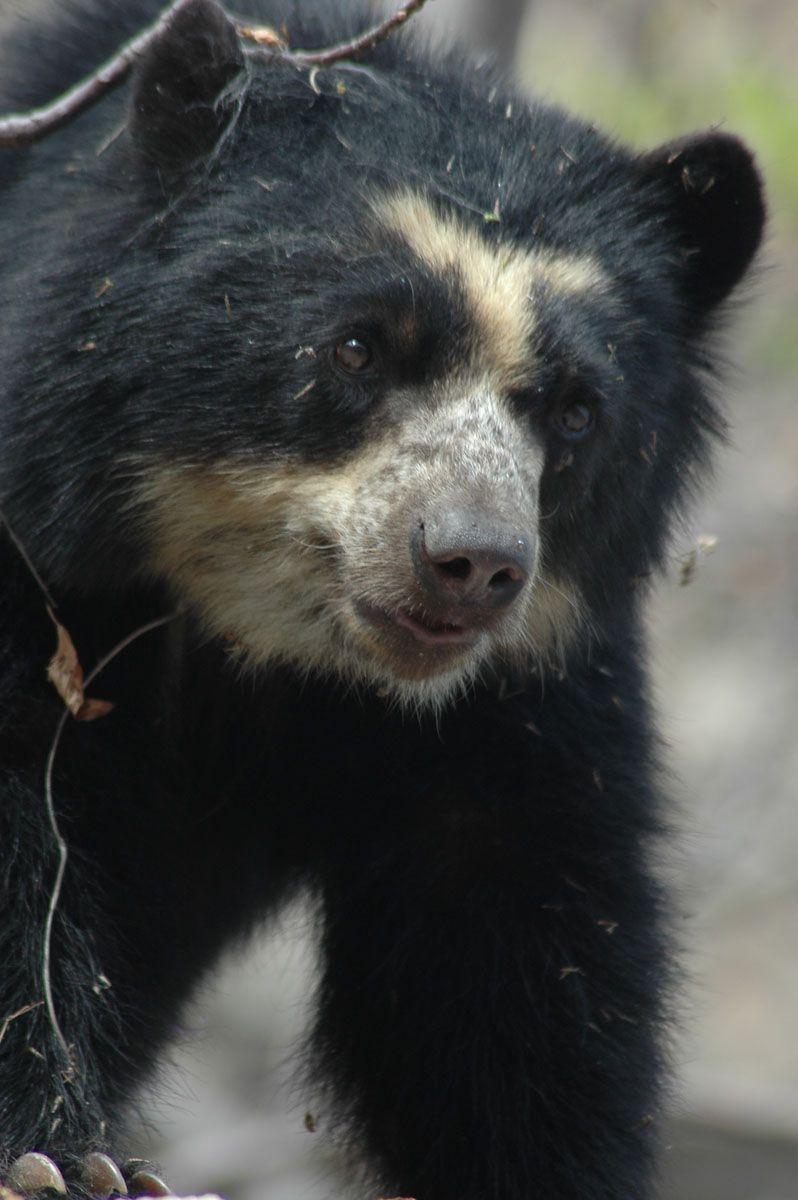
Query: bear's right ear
(184, 92)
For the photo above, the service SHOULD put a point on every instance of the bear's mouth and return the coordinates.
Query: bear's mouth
(414, 630)
(434, 633)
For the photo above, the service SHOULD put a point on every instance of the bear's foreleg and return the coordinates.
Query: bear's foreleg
(494, 966)
(70, 1060)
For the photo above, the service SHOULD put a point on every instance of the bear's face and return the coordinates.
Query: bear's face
(415, 555)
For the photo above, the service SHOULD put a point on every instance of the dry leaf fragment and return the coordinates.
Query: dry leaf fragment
(92, 710)
(66, 675)
(64, 670)
(263, 35)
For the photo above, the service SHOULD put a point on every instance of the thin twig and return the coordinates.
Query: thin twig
(26, 1008)
(22, 129)
(63, 851)
(45, 591)
(344, 50)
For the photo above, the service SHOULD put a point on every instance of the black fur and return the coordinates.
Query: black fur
(496, 952)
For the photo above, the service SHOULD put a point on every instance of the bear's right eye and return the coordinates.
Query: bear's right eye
(574, 420)
(353, 356)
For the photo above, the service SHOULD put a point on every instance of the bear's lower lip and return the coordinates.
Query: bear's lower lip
(425, 631)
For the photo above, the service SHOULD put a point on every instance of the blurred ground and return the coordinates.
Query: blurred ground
(725, 650)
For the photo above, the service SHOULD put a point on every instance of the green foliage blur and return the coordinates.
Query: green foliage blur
(650, 70)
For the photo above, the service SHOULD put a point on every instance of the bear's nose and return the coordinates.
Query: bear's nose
(464, 558)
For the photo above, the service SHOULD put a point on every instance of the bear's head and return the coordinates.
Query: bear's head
(405, 376)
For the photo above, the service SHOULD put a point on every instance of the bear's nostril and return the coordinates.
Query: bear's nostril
(455, 568)
(503, 578)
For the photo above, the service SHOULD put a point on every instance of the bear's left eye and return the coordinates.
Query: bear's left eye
(574, 420)
(353, 356)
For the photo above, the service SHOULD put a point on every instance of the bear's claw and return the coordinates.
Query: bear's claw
(142, 1179)
(101, 1177)
(98, 1175)
(35, 1172)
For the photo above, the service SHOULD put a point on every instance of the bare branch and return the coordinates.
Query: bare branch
(344, 50)
(22, 129)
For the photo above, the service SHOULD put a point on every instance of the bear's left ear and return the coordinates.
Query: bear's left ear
(184, 92)
(710, 195)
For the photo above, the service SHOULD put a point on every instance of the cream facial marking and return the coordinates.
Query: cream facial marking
(283, 560)
(499, 279)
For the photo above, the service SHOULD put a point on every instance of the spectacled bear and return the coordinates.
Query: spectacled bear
(388, 383)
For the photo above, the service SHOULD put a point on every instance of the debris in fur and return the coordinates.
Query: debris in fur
(704, 545)
(304, 391)
(566, 971)
(262, 35)
(494, 214)
(66, 675)
(20, 1012)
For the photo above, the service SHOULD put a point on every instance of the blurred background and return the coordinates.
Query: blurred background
(725, 648)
